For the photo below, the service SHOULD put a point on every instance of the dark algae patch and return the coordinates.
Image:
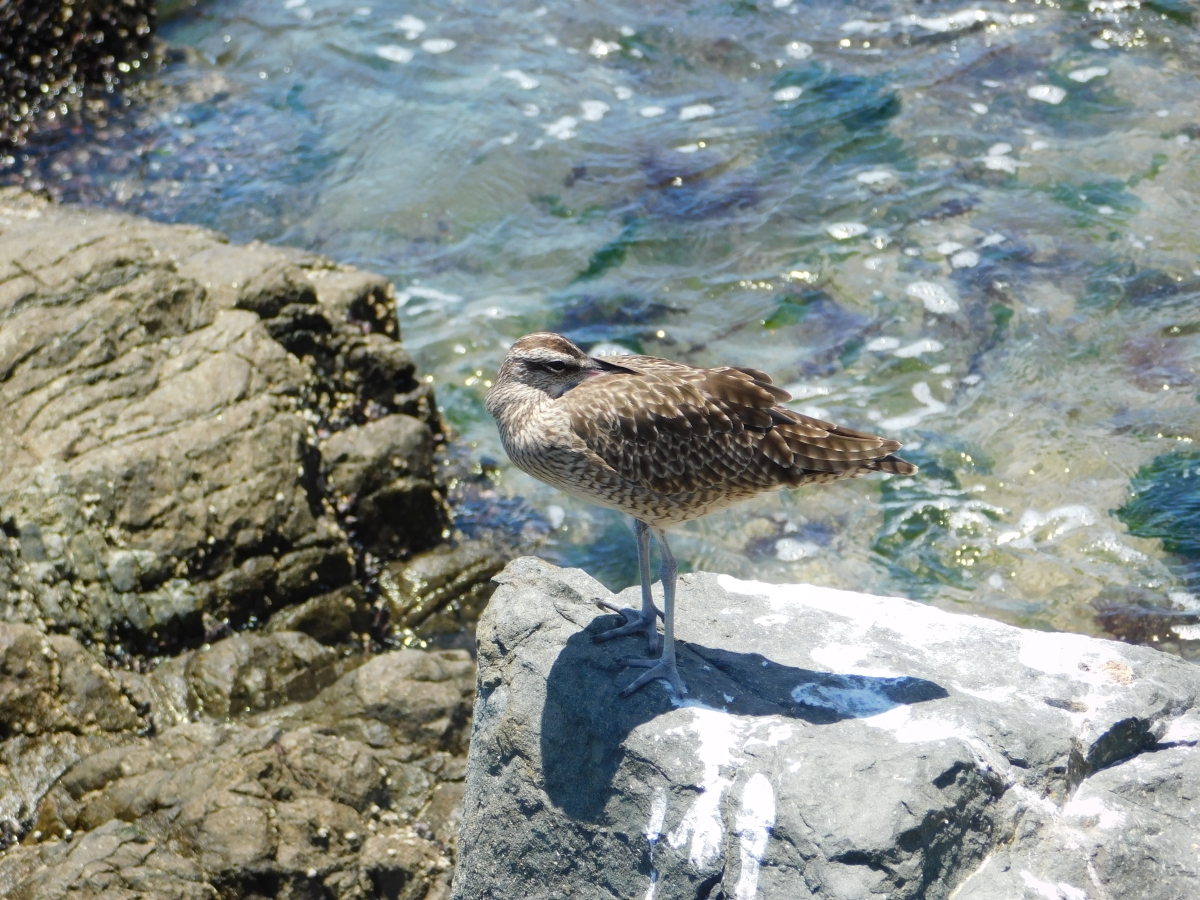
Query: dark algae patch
(1164, 503)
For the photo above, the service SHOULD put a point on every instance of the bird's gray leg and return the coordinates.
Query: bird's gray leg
(646, 620)
(664, 667)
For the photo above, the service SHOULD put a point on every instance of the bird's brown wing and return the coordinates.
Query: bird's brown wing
(675, 428)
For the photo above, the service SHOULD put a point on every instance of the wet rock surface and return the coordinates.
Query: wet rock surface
(210, 456)
(832, 744)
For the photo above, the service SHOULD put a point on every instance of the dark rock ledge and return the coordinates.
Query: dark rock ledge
(218, 504)
(833, 745)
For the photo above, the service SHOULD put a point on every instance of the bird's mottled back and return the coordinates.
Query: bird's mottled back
(663, 440)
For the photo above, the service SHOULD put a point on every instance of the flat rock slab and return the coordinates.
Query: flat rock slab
(832, 744)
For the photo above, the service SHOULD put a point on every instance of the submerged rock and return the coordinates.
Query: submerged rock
(195, 433)
(832, 744)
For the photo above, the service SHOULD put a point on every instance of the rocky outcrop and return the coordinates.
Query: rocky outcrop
(52, 51)
(831, 744)
(217, 486)
(195, 435)
(262, 765)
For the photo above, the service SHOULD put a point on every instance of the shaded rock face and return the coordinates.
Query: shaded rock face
(831, 744)
(262, 765)
(195, 433)
(52, 50)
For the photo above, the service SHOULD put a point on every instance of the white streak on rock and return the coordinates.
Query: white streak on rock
(754, 824)
(908, 729)
(701, 825)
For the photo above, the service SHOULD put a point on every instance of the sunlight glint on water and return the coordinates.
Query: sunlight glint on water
(971, 228)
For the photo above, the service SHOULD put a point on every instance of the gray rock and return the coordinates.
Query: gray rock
(439, 592)
(831, 744)
(351, 794)
(162, 398)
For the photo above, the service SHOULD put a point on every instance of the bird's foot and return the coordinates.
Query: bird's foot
(657, 669)
(635, 623)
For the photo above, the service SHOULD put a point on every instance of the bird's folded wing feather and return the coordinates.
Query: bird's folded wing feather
(674, 428)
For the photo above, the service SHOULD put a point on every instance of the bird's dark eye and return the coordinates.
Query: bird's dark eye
(556, 366)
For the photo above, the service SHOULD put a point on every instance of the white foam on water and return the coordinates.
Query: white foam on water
(563, 129)
(593, 110)
(845, 230)
(601, 49)
(953, 22)
(1047, 93)
(1063, 519)
(787, 94)
(426, 293)
(1083, 76)
(292, 4)
(622, 93)
(792, 550)
(875, 176)
(947, 247)
(992, 240)
(883, 344)
(754, 823)
(410, 25)
(688, 148)
(394, 53)
(555, 514)
(935, 298)
(650, 112)
(980, 109)
(696, 111)
(929, 407)
(1003, 164)
(862, 26)
(965, 259)
(798, 50)
(523, 81)
(916, 348)
(438, 46)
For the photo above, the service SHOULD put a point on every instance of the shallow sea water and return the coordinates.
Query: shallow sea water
(973, 228)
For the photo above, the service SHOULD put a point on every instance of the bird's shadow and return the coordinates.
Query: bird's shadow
(585, 720)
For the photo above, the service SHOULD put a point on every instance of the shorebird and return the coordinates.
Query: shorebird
(664, 442)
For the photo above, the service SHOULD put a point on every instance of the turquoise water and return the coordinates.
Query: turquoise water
(970, 227)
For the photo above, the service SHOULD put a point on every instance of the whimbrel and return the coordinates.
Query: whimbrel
(664, 442)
